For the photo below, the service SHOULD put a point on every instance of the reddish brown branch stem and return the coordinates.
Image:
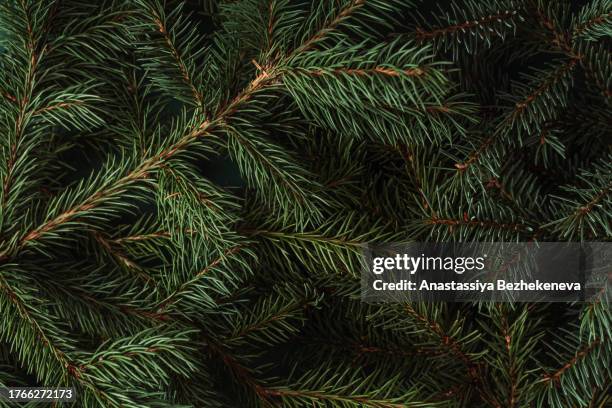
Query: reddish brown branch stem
(414, 72)
(556, 375)
(179, 60)
(591, 23)
(329, 26)
(475, 223)
(172, 298)
(483, 21)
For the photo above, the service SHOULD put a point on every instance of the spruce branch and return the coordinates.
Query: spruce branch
(188, 287)
(180, 39)
(328, 25)
(563, 42)
(530, 111)
(139, 173)
(594, 21)
(187, 190)
(468, 26)
(586, 213)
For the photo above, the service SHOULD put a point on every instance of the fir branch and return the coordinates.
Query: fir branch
(174, 296)
(161, 26)
(422, 34)
(593, 21)
(562, 41)
(469, 26)
(328, 26)
(33, 57)
(580, 354)
(591, 24)
(353, 400)
(69, 367)
(587, 211)
(23, 310)
(475, 223)
(544, 87)
(122, 259)
(140, 172)
(141, 237)
(128, 270)
(445, 340)
(528, 111)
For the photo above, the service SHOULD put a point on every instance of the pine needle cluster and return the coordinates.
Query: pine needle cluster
(186, 189)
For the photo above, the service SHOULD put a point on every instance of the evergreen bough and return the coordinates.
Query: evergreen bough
(186, 189)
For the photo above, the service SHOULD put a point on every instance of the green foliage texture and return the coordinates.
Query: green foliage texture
(132, 270)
